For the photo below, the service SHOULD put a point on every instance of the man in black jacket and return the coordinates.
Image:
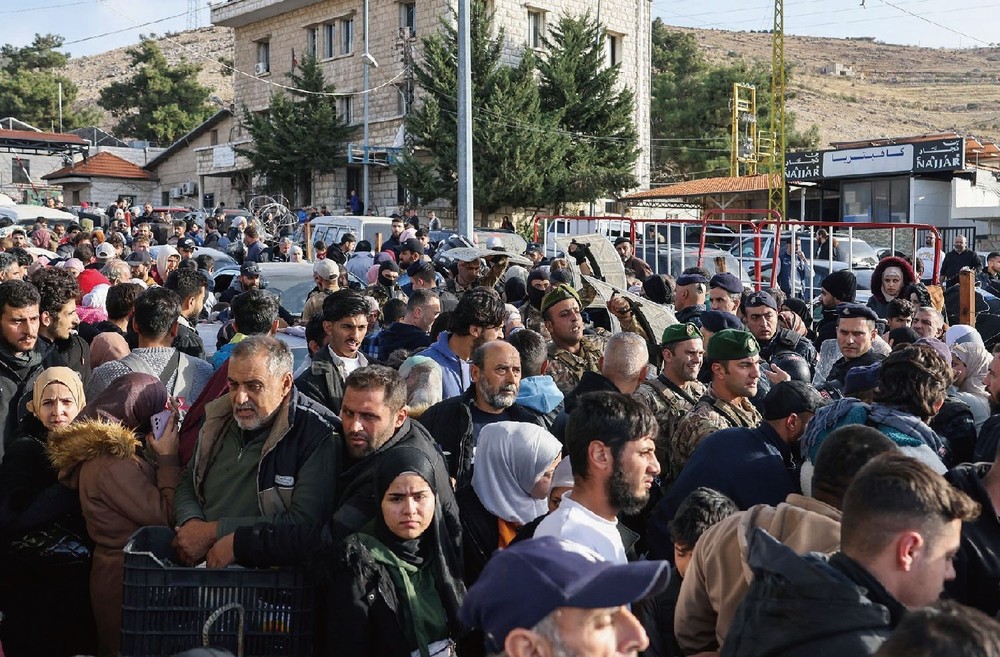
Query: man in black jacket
(455, 423)
(58, 291)
(374, 421)
(957, 259)
(412, 331)
(22, 358)
(189, 284)
(838, 287)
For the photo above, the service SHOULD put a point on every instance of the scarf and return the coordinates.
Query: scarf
(977, 361)
(63, 375)
(130, 400)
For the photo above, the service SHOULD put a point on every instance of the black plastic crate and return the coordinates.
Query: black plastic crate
(168, 608)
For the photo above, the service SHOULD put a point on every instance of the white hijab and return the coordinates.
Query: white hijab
(162, 255)
(510, 458)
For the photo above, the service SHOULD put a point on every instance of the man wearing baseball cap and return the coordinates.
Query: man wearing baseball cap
(735, 373)
(547, 596)
(185, 246)
(689, 298)
(673, 393)
(249, 279)
(855, 333)
(326, 274)
(140, 262)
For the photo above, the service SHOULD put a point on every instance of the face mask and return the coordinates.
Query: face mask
(535, 296)
(385, 281)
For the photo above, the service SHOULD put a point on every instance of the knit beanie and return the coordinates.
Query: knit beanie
(842, 285)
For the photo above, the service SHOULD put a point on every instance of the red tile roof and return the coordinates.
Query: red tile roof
(705, 186)
(102, 165)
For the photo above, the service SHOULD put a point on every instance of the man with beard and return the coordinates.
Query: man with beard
(265, 453)
(735, 372)
(455, 423)
(673, 393)
(345, 322)
(610, 441)
(989, 434)
(959, 258)
(838, 287)
(477, 319)
(59, 290)
(21, 357)
(636, 266)
(928, 323)
(375, 420)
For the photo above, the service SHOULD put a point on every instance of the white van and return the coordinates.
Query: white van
(331, 228)
(26, 214)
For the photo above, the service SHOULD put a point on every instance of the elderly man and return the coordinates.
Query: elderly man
(456, 422)
(265, 453)
(959, 258)
(735, 373)
(689, 298)
(676, 390)
(928, 323)
(724, 292)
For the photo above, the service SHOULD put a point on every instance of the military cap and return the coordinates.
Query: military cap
(759, 299)
(691, 279)
(557, 294)
(727, 282)
(718, 320)
(855, 310)
(731, 344)
(679, 333)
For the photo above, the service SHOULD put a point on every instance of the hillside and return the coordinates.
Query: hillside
(895, 90)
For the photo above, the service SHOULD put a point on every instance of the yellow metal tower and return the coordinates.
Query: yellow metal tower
(744, 145)
(776, 184)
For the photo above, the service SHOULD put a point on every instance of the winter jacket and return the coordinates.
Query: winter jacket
(295, 480)
(955, 423)
(188, 341)
(540, 395)
(954, 262)
(988, 440)
(401, 336)
(265, 545)
(456, 376)
(449, 422)
(480, 533)
(120, 491)
(324, 380)
(17, 376)
(718, 576)
(75, 352)
(809, 606)
(977, 564)
(878, 302)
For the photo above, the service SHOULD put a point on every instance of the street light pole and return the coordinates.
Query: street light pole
(366, 62)
(465, 197)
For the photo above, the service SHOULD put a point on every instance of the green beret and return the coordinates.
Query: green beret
(560, 293)
(679, 333)
(732, 344)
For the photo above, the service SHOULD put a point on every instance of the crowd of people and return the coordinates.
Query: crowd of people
(488, 460)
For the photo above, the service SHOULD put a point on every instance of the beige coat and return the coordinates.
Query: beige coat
(718, 576)
(119, 492)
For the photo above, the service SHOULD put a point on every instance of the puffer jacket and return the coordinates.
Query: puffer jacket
(878, 302)
(977, 564)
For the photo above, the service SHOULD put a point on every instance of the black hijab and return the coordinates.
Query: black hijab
(435, 544)
(799, 307)
(515, 290)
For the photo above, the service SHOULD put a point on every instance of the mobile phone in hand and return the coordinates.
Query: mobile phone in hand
(159, 422)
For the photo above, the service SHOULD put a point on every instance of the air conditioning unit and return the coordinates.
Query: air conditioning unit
(189, 188)
(260, 68)
(175, 192)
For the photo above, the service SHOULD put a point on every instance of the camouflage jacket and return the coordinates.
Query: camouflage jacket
(487, 279)
(381, 293)
(669, 404)
(531, 317)
(709, 415)
(566, 368)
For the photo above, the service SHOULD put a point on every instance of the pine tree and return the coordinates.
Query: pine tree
(516, 148)
(299, 135)
(577, 86)
(29, 86)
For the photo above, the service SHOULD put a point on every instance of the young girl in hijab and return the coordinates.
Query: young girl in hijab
(396, 585)
(46, 605)
(125, 478)
(510, 486)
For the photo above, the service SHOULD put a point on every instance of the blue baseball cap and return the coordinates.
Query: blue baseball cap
(526, 582)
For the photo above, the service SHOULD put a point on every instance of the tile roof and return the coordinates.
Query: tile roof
(102, 165)
(703, 187)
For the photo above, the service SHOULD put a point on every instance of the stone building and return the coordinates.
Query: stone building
(269, 33)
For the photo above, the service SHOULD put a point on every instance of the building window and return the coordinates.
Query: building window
(355, 181)
(312, 41)
(408, 19)
(20, 171)
(329, 31)
(213, 138)
(613, 50)
(883, 200)
(344, 108)
(536, 29)
(346, 36)
(263, 57)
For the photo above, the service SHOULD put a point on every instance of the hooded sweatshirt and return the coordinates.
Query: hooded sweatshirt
(540, 394)
(878, 301)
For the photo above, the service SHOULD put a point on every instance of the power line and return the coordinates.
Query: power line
(27, 9)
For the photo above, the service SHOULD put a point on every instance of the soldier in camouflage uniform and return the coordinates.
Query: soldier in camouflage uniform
(386, 287)
(673, 393)
(570, 353)
(726, 403)
(470, 275)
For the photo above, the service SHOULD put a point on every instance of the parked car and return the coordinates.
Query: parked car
(221, 259)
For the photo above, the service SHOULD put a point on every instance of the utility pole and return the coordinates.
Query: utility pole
(465, 195)
(366, 62)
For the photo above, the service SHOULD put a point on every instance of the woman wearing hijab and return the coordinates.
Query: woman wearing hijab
(106, 347)
(510, 486)
(125, 478)
(46, 604)
(396, 585)
(167, 260)
(970, 361)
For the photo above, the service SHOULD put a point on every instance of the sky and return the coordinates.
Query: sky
(92, 26)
